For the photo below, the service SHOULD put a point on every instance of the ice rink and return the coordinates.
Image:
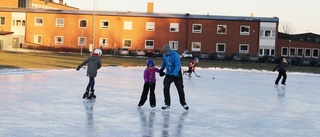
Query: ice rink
(236, 103)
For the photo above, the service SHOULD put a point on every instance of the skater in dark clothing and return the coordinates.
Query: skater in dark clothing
(192, 66)
(94, 63)
(172, 64)
(282, 68)
(149, 83)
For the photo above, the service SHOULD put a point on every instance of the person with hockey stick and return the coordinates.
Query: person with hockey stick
(192, 66)
(149, 84)
(171, 62)
(94, 63)
(282, 68)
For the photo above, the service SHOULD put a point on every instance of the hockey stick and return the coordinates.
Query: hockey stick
(196, 74)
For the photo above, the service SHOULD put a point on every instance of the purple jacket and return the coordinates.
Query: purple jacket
(149, 75)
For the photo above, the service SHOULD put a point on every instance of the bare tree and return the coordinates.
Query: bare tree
(286, 28)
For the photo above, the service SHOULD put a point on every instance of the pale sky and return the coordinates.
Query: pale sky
(301, 16)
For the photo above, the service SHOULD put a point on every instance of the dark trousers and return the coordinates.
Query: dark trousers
(281, 74)
(90, 84)
(144, 94)
(178, 81)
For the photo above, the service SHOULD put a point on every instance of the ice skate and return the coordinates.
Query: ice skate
(165, 107)
(85, 95)
(91, 95)
(185, 107)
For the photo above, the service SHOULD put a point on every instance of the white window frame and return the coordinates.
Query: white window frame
(244, 51)
(282, 54)
(127, 45)
(80, 20)
(174, 27)
(149, 46)
(313, 50)
(59, 24)
(150, 26)
(292, 54)
(174, 45)
(195, 46)
(56, 40)
(82, 41)
(222, 32)
(301, 52)
(38, 21)
(244, 32)
(2, 19)
(104, 42)
(37, 40)
(196, 28)
(102, 24)
(306, 50)
(127, 25)
(217, 47)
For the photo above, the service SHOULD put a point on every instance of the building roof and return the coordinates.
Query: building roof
(155, 15)
(308, 37)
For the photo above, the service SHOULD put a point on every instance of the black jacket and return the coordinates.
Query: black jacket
(281, 67)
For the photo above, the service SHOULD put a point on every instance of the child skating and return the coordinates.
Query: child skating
(149, 84)
(282, 68)
(94, 63)
(192, 66)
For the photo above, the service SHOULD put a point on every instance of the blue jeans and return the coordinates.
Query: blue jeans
(90, 84)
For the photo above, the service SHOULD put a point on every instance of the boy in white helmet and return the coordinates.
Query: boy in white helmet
(94, 63)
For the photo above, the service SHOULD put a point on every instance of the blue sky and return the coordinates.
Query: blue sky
(301, 16)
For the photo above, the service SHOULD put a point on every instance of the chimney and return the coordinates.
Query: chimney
(251, 15)
(61, 2)
(150, 7)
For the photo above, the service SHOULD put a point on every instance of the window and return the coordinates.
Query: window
(59, 22)
(149, 44)
(127, 43)
(150, 26)
(267, 33)
(18, 22)
(220, 47)
(104, 24)
(37, 39)
(127, 25)
(23, 23)
(244, 48)
(244, 30)
(104, 42)
(196, 46)
(37, 22)
(292, 51)
(2, 20)
(174, 27)
(222, 29)
(58, 40)
(82, 41)
(266, 51)
(271, 52)
(299, 52)
(82, 23)
(315, 53)
(173, 45)
(196, 28)
(307, 52)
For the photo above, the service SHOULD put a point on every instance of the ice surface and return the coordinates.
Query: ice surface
(235, 103)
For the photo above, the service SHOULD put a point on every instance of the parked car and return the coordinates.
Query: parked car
(250, 58)
(123, 51)
(137, 53)
(218, 56)
(204, 55)
(187, 54)
(267, 59)
(315, 62)
(157, 53)
(234, 57)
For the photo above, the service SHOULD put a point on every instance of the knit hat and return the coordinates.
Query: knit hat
(166, 48)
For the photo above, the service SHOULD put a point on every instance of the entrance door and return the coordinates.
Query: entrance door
(15, 42)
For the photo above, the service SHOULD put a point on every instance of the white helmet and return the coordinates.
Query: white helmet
(98, 51)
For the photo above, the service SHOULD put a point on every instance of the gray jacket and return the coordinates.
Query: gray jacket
(94, 63)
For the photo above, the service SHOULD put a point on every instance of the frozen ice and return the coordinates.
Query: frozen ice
(235, 103)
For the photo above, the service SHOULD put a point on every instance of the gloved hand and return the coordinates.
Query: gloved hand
(77, 68)
(161, 73)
